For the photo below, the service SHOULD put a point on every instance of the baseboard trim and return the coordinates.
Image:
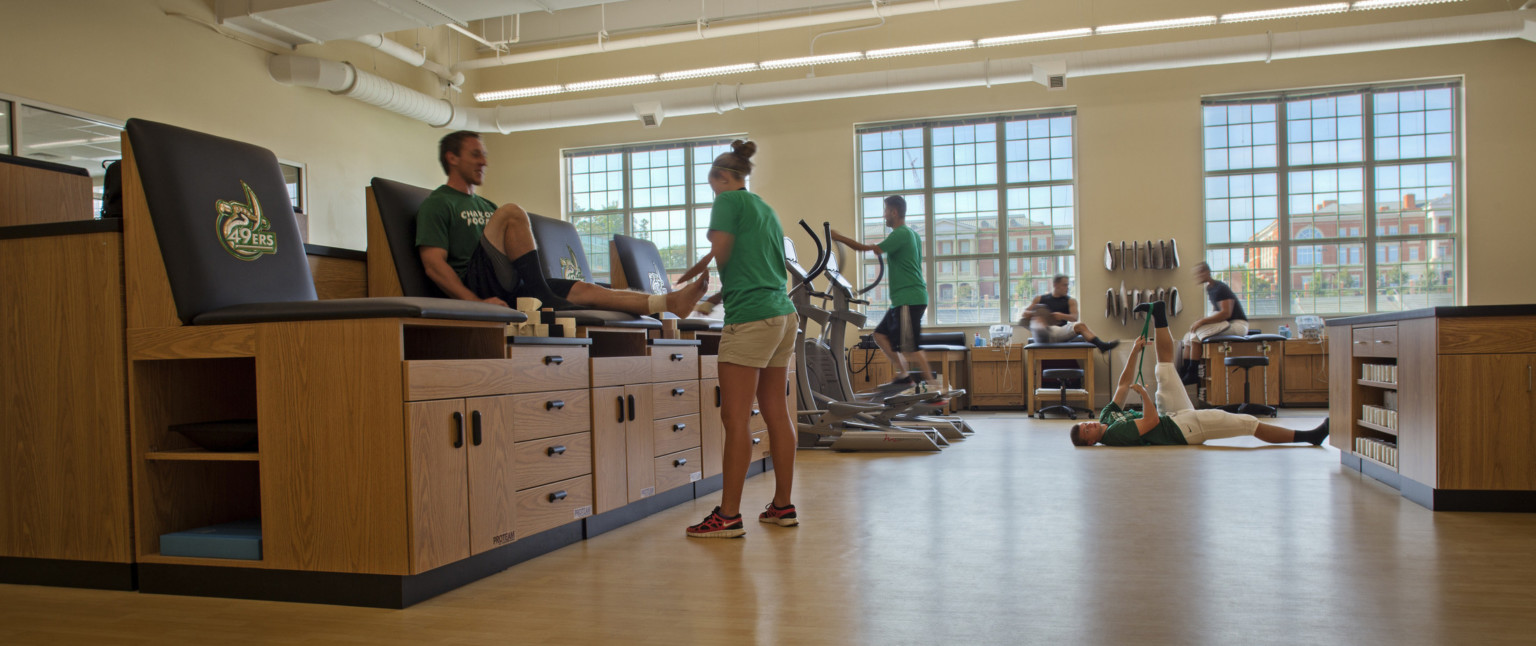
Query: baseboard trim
(64, 573)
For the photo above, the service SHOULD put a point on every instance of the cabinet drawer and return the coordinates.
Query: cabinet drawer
(756, 422)
(540, 462)
(671, 362)
(540, 415)
(1304, 347)
(760, 447)
(620, 371)
(675, 398)
(709, 366)
(678, 469)
(550, 367)
(552, 505)
(1375, 341)
(1361, 342)
(1010, 353)
(676, 434)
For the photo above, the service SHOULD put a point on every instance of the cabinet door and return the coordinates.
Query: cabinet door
(492, 487)
(439, 483)
(640, 444)
(712, 440)
(610, 462)
(1484, 427)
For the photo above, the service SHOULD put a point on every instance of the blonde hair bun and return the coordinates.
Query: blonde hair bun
(744, 149)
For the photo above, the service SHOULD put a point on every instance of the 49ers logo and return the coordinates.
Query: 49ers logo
(243, 231)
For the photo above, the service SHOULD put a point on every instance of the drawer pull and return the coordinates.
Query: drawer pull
(631, 408)
(679, 462)
(558, 449)
(557, 496)
(554, 359)
(458, 430)
(474, 425)
(555, 404)
(621, 409)
(678, 427)
(756, 412)
(677, 356)
(757, 440)
(678, 392)
(1359, 343)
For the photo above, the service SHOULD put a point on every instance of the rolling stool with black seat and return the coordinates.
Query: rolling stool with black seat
(1062, 376)
(1247, 363)
(1040, 358)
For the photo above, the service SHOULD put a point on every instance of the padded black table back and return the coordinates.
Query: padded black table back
(560, 249)
(641, 263)
(221, 212)
(398, 203)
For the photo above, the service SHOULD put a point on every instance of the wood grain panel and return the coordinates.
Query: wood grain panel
(1012, 353)
(610, 469)
(382, 280)
(1299, 346)
(1417, 371)
(1361, 341)
(64, 485)
(676, 433)
(493, 473)
(711, 428)
(202, 342)
(1485, 408)
(439, 473)
(1492, 335)
(442, 379)
(709, 366)
(677, 469)
(339, 277)
(542, 508)
(552, 459)
(539, 415)
(640, 442)
(1341, 391)
(672, 363)
(675, 398)
(552, 367)
(333, 448)
(31, 195)
(149, 299)
(620, 371)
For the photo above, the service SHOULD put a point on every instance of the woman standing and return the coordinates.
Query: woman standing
(747, 244)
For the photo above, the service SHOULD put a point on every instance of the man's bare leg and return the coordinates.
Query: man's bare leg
(680, 302)
(898, 363)
(921, 363)
(509, 230)
(1089, 336)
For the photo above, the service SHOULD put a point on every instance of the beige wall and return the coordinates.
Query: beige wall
(121, 59)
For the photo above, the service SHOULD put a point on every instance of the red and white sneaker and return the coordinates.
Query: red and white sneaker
(716, 525)
(781, 516)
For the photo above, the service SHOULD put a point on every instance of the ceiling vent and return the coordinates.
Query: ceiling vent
(650, 114)
(1053, 74)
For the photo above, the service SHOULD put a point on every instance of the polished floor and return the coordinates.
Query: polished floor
(1011, 537)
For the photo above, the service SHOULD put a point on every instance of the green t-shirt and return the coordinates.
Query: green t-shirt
(903, 264)
(452, 220)
(754, 281)
(1123, 431)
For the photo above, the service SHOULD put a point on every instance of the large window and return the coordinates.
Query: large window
(658, 191)
(992, 199)
(1334, 202)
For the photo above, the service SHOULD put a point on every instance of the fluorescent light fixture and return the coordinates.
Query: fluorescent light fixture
(709, 71)
(1287, 12)
(1196, 21)
(621, 81)
(1388, 4)
(541, 90)
(1034, 38)
(920, 49)
(806, 61)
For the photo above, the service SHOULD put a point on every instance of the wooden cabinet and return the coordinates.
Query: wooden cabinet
(869, 369)
(1303, 373)
(639, 441)
(461, 474)
(997, 377)
(1490, 396)
(711, 428)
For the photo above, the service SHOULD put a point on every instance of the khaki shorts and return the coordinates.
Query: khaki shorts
(768, 343)
(1236, 327)
(1213, 424)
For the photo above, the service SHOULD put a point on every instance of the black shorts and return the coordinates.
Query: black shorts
(903, 324)
(490, 273)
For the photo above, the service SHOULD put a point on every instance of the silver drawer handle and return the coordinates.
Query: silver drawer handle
(557, 496)
(679, 462)
(677, 357)
(554, 359)
(678, 427)
(558, 449)
(678, 392)
(757, 440)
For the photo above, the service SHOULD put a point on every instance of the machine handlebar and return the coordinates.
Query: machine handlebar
(821, 253)
(878, 276)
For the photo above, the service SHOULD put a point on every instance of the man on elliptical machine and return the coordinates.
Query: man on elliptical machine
(903, 253)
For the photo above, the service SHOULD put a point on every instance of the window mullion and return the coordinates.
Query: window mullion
(1004, 276)
(930, 247)
(1283, 206)
(1368, 182)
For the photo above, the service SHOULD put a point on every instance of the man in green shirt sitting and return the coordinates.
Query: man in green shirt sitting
(903, 252)
(476, 251)
(1170, 418)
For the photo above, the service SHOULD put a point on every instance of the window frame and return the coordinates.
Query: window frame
(1370, 243)
(690, 208)
(1002, 255)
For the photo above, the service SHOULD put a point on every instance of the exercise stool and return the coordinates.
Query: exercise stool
(1078, 351)
(1062, 376)
(1247, 364)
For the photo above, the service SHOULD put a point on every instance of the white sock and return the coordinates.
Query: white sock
(656, 303)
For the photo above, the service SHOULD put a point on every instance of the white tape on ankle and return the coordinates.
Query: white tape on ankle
(656, 303)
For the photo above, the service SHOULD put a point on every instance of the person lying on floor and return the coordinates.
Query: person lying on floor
(476, 251)
(1170, 418)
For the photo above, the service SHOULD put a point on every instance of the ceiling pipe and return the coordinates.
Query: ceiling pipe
(343, 79)
(412, 57)
(722, 31)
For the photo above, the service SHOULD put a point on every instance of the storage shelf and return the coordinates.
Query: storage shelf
(203, 455)
(1377, 384)
(1377, 427)
(198, 560)
(1379, 463)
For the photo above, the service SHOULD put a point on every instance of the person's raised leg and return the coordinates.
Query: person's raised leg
(511, 232)
(680, 302)
(738, 388)
(1089, 336)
